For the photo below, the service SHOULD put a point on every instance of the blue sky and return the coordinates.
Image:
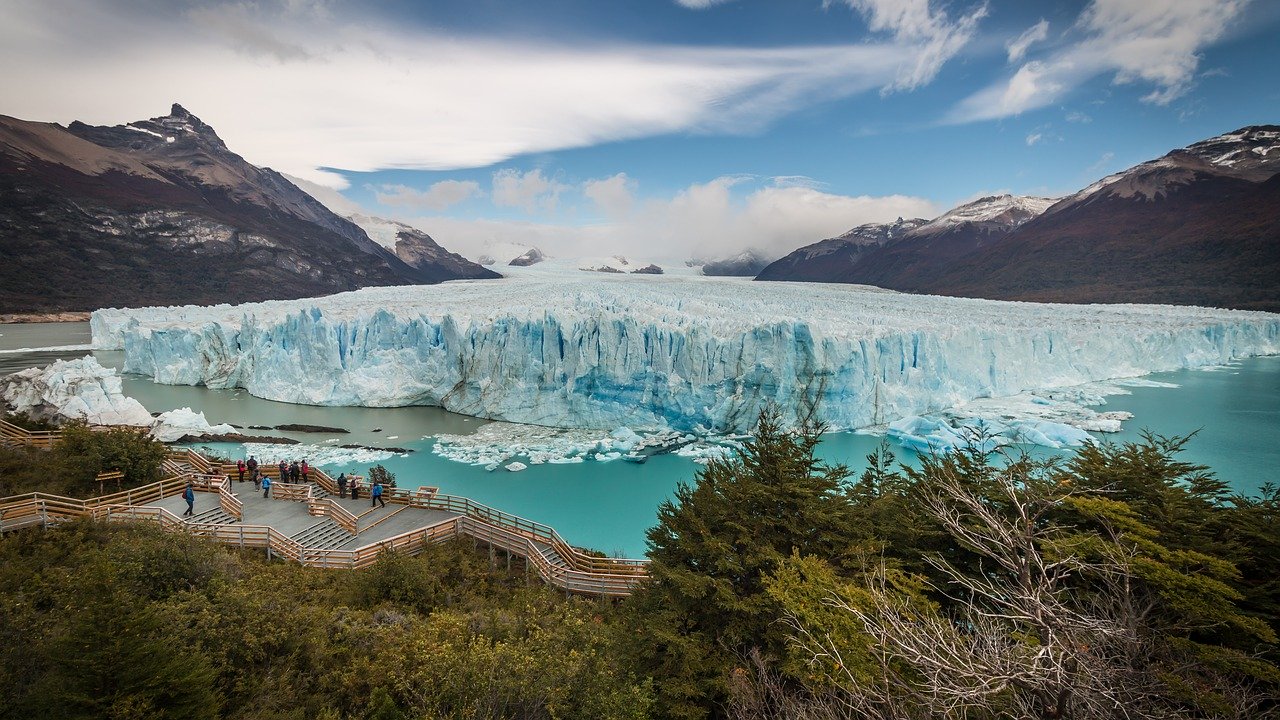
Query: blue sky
(659, 126)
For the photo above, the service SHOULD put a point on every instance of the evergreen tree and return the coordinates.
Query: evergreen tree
(705, 606)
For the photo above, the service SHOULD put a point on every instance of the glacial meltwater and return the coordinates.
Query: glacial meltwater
(1235, 411)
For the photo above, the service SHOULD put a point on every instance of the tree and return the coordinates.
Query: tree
(85, 453)
(1068, 604)
(705, 606)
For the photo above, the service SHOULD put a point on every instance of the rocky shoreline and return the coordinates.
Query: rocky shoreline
(49, 317)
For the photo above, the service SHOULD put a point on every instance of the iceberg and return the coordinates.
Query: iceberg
(176, 424)
(79, 389)
(668, 352)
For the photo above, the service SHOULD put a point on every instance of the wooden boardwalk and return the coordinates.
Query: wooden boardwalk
(309, 524)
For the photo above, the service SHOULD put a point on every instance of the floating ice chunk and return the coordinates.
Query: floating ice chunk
(173, 425)
(517, 466)
(317, 455)
(78, 389)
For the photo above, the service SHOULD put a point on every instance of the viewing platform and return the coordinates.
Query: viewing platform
(310, 524)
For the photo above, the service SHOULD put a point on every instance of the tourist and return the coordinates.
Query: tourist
(266, 486)
(342, 485)
(252, 465)
(189, 494)
(284, 472)
(240, 468)
(376, 494)
(255, 478)
(305, 470)
(355, 489)
(294, 472)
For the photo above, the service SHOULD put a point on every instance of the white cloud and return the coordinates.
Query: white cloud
(530, 190)
(1034, 138)
(1102, 164)
(318, 91)
(438, 196)
(700, 4)
(613, 195)
(1076, 116)
(1018, 46)
(713, 219)
(1156, 42)
(918, 23)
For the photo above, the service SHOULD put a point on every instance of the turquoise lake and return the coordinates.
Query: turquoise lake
(608, 506)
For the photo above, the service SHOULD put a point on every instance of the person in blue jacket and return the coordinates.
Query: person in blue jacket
(376, 494)
(189, 494)
(266, 485)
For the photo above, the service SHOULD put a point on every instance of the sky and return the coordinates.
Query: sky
(659, 128)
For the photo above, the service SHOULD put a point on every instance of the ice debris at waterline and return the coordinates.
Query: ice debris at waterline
(82, 389)
(497, 443)
(176, 424)
(317, 455)
(1049, 418)
(79, 389)
(659, 352)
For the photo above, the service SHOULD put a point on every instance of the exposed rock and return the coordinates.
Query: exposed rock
(532, 257)
(647, 270)
(236, 438)
(297, 427)
(745, 264)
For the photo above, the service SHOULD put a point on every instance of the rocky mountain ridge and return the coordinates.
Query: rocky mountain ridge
(160, 211)
(1198, 226)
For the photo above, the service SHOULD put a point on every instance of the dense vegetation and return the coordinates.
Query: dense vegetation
(71, 467)
(1119, 583)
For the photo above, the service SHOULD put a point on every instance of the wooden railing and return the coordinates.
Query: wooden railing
(581, 573)
(577, 559)
(11, 434)
(289, 491)
(230, 504)
(335, 512)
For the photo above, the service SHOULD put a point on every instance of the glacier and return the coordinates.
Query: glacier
(593, 351)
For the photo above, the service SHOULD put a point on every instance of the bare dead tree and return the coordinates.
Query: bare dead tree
(1026, 642)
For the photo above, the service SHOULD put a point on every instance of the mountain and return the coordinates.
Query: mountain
(906, 254)
(161, 212)
(1199, 226)
(745, 264)
(532, 256)
(833, 257)
(419, 250)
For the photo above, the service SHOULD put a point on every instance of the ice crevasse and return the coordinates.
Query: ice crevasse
(653, 352)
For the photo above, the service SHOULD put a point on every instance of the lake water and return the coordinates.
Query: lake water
(608, 506)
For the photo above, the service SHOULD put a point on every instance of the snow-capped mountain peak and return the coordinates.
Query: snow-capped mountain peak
(1005, 211)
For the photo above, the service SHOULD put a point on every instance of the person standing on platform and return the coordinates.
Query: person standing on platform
(266, 486)
(376, 494)
(305, 470)
(355, 489)
(240, 467)
(284, 472)
(294, 472)
(189, 494)
(342, 485)
(252, 465)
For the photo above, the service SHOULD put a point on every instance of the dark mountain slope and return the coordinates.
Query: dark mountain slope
(161, 212)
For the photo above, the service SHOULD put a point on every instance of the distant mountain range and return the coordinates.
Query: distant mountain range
(160, 211)
(1199, 226)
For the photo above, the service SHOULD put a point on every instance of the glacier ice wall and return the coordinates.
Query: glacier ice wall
(654, 352)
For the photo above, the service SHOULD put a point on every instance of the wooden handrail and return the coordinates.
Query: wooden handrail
(582, 573)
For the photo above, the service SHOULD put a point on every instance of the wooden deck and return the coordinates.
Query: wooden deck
(309, 524)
